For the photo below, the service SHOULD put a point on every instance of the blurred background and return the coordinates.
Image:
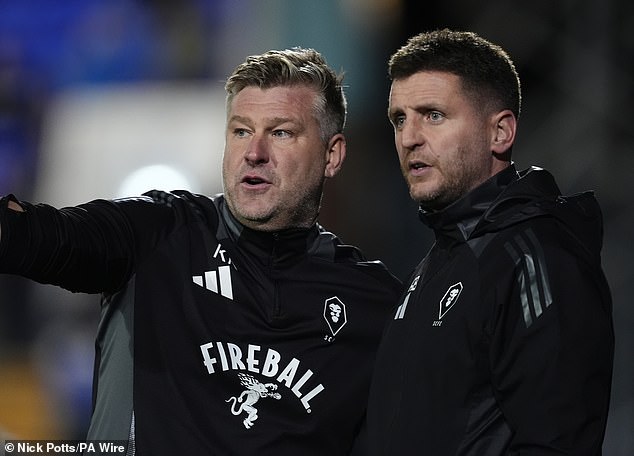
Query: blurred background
(108, 98)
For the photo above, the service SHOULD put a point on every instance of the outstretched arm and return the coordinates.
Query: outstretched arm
(89, 248)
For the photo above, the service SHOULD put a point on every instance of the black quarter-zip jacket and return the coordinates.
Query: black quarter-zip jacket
(214, 339)
(502, 344)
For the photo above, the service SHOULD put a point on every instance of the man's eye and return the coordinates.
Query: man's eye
(398, 121)
(239, 132)
(281, 133)
(435, 116)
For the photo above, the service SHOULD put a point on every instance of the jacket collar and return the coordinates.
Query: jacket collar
(458, 220)
(272, 248)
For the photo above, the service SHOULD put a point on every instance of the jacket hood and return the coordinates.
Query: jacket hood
(511, 197)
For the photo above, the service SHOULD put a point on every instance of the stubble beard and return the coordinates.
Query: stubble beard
(297, 210)
(457, 178)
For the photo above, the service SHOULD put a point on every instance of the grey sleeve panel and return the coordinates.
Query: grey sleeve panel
(113, 413)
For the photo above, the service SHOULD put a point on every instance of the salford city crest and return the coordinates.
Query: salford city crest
(449, 299)
(335, 314)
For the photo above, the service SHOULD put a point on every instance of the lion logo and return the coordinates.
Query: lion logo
(250, 396)
(335, 314)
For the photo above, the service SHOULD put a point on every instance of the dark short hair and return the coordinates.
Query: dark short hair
(486, 70)
(296, 66)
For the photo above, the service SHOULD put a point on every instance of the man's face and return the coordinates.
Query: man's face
(442, 139)
(274, 157)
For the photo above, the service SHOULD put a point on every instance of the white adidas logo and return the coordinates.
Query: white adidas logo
(218, 282)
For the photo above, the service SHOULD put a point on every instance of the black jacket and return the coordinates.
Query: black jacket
(503, 343)
(214, 339)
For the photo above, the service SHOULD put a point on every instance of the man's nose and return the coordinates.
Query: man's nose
(257, 151)
(412, 135)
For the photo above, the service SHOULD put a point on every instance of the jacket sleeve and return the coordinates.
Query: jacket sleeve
(552, 348)
(89, 248)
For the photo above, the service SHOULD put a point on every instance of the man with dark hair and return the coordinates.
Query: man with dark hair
(503, 341)
(234, 324)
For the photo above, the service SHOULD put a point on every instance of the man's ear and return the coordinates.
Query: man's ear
(503, 128)
(335, 155)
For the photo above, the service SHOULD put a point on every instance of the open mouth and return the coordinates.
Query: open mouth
(254, 180)
(417, 165)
